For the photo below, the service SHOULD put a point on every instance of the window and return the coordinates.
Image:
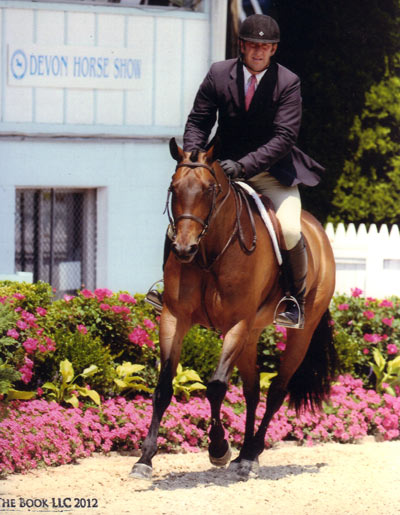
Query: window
(190, 5)
(56, 237)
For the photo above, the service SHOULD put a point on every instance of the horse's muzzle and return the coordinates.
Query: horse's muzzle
(185, 253)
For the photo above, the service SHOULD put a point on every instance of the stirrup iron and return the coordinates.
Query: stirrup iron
(288, 298)
(152, 296)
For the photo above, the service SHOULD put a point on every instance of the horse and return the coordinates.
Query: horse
(223, 273)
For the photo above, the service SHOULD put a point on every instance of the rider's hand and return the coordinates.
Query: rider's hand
(233, 169)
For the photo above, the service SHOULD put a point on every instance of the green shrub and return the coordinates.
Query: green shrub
(100, 327)
(363, 325)
(8, 345)
(349, 352)
(144, 310)
(145, 355)
(200, 352)
(27, 296)
(82, 351)
(268, 354)
(17, 299)
(22, 340)
(8, 376)
(106, 329)
(116, 323)
(105, 316)
(66, 316)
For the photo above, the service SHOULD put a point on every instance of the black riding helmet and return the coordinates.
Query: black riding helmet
(259, 28)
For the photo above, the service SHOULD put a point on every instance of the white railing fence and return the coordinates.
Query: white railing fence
(366, 259)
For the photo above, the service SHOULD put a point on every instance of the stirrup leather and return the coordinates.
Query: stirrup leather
(288, 298)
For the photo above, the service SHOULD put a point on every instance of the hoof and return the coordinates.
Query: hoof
(248, 469)
(141, 471)
(234, 466)
(233, 470)
(223, 460)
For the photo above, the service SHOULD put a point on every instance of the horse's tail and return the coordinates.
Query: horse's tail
(311, 382)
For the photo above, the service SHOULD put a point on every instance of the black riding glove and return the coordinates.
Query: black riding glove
(233, 169)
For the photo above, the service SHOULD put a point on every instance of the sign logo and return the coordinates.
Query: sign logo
(78, 67)
(18, 64)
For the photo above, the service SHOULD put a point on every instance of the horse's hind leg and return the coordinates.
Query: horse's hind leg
(296, 349)
(171, 336)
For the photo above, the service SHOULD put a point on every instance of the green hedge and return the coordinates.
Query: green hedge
(106, 329)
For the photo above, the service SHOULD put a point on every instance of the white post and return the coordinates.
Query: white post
(219, 14)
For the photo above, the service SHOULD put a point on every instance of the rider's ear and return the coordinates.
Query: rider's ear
(176, 151)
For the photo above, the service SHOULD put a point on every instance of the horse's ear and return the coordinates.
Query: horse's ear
(176, 151)
(213, 149)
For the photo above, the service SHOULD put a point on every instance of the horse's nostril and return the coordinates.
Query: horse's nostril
(184, 252)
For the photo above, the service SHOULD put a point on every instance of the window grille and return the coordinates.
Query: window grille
(56, 237)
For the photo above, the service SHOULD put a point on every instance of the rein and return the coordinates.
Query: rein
(240, 200)
(240, 196)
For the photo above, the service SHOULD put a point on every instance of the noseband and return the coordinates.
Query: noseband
(204, 223)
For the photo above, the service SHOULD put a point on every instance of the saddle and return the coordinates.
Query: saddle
(268, 215)
(273, 226)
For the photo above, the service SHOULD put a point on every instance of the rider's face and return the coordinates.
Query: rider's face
(257, 56)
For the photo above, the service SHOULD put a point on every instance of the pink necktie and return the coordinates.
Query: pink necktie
(250, 91)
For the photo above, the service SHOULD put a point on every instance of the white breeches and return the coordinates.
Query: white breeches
(287, 204)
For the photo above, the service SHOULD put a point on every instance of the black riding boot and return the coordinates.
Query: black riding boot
(154, 296)
(294, 269)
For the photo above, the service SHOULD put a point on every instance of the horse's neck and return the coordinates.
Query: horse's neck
(223, 224)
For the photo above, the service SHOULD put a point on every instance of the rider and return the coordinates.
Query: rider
(258, 103)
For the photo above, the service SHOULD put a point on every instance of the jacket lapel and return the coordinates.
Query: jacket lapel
(263, 96)
(236, 84)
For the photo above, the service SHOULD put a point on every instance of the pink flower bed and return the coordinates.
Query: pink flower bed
(37, 433)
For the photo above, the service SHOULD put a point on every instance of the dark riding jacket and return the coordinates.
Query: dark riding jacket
(262, 138)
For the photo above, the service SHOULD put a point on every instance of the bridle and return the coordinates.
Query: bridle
(216, 190)
(240, 198)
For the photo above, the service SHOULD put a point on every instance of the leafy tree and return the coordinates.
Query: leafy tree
(340, 50)
(369, 188)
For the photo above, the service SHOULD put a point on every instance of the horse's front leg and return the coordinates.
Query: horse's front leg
(172, 332)
(234, 341)
(247, 365)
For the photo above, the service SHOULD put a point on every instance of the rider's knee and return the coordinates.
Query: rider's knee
(291, 235)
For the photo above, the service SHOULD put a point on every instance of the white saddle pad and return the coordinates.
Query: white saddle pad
(265, 217)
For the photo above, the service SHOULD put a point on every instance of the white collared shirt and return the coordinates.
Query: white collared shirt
(247, 76)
